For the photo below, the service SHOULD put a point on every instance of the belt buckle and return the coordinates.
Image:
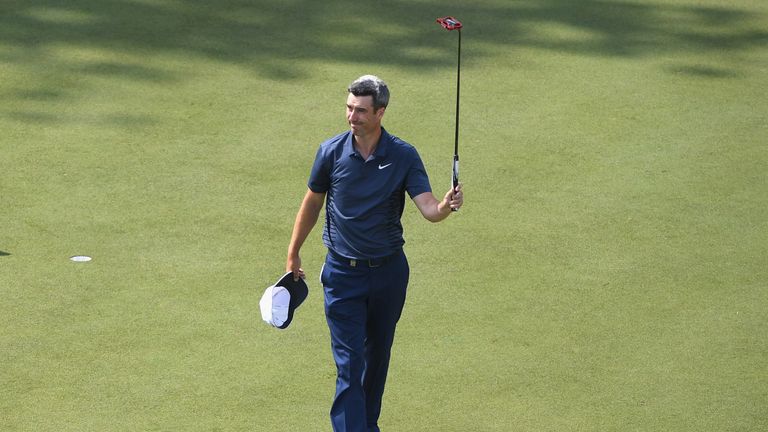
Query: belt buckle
(372, 263)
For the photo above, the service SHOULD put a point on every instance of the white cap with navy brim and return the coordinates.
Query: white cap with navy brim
(280, 300)
(274, 305)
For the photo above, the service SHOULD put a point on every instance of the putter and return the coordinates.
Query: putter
(450, 23)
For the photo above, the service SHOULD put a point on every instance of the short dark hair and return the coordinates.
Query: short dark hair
(371, 85)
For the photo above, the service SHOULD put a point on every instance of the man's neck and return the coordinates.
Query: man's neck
(366, 145)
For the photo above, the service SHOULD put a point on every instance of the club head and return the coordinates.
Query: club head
(449, 23)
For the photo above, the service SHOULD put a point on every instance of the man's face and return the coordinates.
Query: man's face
(363, 120)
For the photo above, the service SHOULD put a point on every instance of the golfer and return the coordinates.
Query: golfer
(362, 176)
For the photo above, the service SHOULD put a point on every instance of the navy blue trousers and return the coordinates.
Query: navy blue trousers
(363, 303)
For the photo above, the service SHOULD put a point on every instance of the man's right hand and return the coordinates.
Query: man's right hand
(293, 265)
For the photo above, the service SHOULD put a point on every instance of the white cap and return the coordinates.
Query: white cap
(280, 300)
(274, 305)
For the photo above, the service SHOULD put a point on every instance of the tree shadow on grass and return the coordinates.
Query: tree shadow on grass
(703, 71)
(284, 40)
(636, 29)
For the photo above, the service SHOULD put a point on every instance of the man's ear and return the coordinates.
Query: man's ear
(380, 112)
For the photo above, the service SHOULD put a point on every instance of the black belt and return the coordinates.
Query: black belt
(362, 262)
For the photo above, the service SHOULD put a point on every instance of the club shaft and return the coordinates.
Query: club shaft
(456, 132)
(458, 91)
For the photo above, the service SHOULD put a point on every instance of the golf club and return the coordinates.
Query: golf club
(450, 23)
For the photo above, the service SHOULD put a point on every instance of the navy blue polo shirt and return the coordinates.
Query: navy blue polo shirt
(365, 198)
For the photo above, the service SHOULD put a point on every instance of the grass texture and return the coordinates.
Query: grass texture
(607, 273)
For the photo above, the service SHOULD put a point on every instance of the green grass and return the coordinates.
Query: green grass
(608, 272)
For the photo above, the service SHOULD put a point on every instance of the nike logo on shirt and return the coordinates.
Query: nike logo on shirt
(384, 166)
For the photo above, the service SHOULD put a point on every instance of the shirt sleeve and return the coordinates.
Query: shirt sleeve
(320, 176)
(417, 181)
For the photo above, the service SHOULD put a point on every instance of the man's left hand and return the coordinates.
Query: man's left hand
(455, 197)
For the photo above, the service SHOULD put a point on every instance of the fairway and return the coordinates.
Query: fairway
(608, 271)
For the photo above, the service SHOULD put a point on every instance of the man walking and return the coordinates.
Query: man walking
(362, 175)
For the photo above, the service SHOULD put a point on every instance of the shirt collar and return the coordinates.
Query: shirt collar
(382, 148)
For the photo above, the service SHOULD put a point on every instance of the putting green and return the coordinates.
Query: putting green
(606, 273)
